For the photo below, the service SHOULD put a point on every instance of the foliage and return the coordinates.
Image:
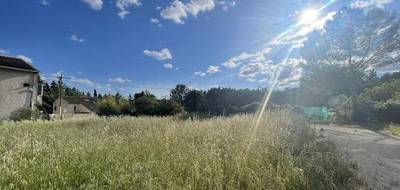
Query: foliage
(108, 106)
(179, 93)
(164, 153)
(393, 130)
(51, 93)
(340, 58)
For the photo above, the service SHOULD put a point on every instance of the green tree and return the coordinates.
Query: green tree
(108, 106)
(340, 58)
(194, 101)
(178, 93)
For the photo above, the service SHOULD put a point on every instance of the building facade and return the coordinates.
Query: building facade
(19, 88)
(75, 105)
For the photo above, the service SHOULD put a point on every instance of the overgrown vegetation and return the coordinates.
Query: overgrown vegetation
(393, 130)
(167, 153)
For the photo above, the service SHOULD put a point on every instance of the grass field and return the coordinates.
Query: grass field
(394, 130)
(168, 153)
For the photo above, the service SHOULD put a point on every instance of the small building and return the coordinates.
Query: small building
(75, 106)
(19, 88)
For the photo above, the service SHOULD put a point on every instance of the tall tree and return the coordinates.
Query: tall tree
(178, 93)
(354, 43)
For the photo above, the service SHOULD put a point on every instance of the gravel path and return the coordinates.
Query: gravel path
(377, 154)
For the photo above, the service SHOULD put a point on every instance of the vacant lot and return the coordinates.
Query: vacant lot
(377, 154)
(168, 153)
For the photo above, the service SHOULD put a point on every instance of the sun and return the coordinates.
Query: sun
(309, 16)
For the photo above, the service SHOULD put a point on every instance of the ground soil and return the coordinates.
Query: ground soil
(376, 153)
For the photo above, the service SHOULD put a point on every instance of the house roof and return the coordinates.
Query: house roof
(17, 64)
(86, 101)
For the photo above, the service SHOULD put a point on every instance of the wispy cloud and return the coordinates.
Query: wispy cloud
(119, 80)
(156, 22)
(94, 4)
(76, 38)
(361, 4)
(123, 6)
(247, 57)
(164, 54)
(226, 5)
(4, 52)
(168, 66)
(45, 2)
(81, 81)
(25, 58)
(200, 74)
(213, 69)
(298, 36)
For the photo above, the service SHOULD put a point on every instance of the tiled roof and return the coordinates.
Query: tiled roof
(15, 63)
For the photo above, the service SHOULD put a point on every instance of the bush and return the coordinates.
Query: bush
(168, 107)
(108, 107)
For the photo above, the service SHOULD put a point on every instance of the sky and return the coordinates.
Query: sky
(127, 46)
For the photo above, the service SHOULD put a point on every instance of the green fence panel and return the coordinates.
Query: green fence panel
(318, 113)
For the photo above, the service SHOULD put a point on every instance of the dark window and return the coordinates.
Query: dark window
(26, 84)
(55, 108)
(74, 108)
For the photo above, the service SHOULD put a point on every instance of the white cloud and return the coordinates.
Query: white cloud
(156, 21)
(246, 57)
(118, 80)
(226, 5)
(162, 55)
(179, 11)
(25, 58)
(213, 69)
(360, 4)
(76, 38)
(291, 72)
(168, 66)
(81, 81)
(158, 8)
(251, 70)
(199, 73)
(94, 4)
(45, 2)
(4, 52)
(298, 36)
(123, 5)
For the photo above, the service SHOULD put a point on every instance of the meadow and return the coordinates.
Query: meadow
(170, 153)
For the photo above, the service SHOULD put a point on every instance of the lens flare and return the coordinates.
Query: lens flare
(309, 16)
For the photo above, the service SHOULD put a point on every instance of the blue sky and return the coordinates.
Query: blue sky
(131, 45)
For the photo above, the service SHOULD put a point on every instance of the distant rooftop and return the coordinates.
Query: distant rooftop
(88, 102)
(16, 63)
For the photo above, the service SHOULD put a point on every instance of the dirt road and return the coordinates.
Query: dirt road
(377, 154)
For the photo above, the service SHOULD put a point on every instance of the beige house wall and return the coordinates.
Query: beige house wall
(14, 96)
(68, 108)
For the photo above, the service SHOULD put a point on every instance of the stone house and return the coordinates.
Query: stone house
(75, 105)
(19, 87)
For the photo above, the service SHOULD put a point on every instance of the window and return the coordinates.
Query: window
(55, 108)
(74, 108)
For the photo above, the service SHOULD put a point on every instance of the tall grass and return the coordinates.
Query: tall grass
(393, 130)
(167, 153)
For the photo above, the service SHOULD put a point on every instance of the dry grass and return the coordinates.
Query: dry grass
(393, 130)
(167, 153)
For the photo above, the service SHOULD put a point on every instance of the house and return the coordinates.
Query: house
(19, 87)
(75, 105)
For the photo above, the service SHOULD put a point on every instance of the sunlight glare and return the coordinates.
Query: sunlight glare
(309, 16)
